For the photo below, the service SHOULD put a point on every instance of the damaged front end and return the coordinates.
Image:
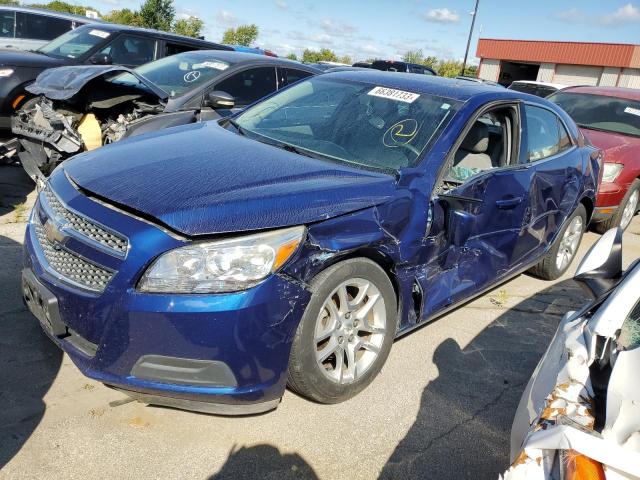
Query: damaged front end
(80, 109)
(579, 417)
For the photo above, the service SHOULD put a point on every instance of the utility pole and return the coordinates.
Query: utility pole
(473, 22)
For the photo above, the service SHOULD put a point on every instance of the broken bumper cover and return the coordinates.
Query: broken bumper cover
(223, 354)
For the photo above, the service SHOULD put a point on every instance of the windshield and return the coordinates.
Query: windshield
(180, 73)
(599, 112)
(352, 122)
(75, 43)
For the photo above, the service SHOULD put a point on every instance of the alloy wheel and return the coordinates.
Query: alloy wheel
(630, 209)
(569, 243)
(350, 330)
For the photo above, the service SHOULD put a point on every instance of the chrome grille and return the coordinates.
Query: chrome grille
(85, 227)
(71, 266)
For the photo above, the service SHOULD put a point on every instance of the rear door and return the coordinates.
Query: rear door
(556, 171)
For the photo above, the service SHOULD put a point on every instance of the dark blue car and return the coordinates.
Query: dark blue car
(210, 265)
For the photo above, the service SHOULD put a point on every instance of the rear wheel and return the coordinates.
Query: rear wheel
(564, 248)
(625, 212)
(346, 332)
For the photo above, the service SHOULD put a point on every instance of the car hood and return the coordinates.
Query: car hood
(65, 82)
(10, 57)
(617, 147)
(203, 179)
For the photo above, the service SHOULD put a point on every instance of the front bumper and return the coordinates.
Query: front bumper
(225, 353)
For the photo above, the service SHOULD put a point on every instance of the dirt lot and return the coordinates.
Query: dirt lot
(442, 408)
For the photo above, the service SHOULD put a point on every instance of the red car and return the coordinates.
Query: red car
(610, 118)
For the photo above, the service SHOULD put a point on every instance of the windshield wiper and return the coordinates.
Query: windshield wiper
(235, 124)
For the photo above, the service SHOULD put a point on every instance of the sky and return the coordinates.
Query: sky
(388, 28)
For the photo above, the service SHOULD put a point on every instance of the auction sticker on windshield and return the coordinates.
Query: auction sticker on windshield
(393, 94)
(632, 111)
(99, 33)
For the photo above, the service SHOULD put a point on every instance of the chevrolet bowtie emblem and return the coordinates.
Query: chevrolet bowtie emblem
(54, 234)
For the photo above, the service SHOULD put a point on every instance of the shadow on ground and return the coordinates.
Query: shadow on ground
(463, 426)
(29, 361)
(15, 185)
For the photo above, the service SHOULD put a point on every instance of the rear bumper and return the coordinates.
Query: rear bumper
(224, 354)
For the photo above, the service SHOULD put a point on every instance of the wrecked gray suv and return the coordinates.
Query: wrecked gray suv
(81, 108)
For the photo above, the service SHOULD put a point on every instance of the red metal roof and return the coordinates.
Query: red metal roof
(574, 53)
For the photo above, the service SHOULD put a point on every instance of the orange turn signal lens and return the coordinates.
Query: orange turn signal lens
(579, 467)
(17, 101)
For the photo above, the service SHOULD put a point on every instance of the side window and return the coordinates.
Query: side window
(415, 69)
(250, 85)
(175, 48)
(428, 72)
(39, 27)
(293, 75)
(487, 145)
(547, 136)
(131, 50)
(7, 24)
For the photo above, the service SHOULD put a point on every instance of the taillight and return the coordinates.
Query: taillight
(579, 467)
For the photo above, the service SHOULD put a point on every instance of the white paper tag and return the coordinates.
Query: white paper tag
(393, 94)
(99, 33)
(214, 65)
(632, 111)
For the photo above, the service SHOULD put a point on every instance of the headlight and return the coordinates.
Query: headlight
(611, 171)
(6, 72)
(222, 266)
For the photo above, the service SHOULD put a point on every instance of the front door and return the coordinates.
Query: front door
(480, 214)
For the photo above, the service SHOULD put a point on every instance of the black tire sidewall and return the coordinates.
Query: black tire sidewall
(320, 387)
(635, 185)
(555, 272)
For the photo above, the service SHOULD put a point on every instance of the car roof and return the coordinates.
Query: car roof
(452, 88)
(50, 13)
(115, 27)
(544, 84)
(238, 58)
(618, 92)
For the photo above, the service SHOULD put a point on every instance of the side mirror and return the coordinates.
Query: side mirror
(101, 59)
(460, 227)
(601, 268)
(218, 99)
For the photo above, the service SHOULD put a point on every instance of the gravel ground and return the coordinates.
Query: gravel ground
(442, 408)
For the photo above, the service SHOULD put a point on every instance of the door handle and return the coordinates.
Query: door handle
(509, 203)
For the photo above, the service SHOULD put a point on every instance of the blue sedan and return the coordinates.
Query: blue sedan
(209, 266)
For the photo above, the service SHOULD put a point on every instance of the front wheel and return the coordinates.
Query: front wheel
(564, 248)
(346, 332)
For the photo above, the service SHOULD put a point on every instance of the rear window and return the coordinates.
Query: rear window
(389, 66)
(7, 24)
(600, 112)
(532, 89)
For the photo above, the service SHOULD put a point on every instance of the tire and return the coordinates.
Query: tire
(548, 268)
(616, 219)
(320, 380)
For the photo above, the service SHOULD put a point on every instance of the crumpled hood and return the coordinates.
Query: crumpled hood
(616, 147)
(10, 57)
(64, 82)
(203, 179)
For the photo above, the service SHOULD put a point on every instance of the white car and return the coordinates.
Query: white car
(539, 89)
(579, 417)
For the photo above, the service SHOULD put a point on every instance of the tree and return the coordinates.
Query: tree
(158, 14)
(413, 56)
(242, 35)
(190, 27)
(292, 56)
(63, 7)
(124, 17)
(324, 55)
(449, 68)
(9, 2)
(345, 59)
